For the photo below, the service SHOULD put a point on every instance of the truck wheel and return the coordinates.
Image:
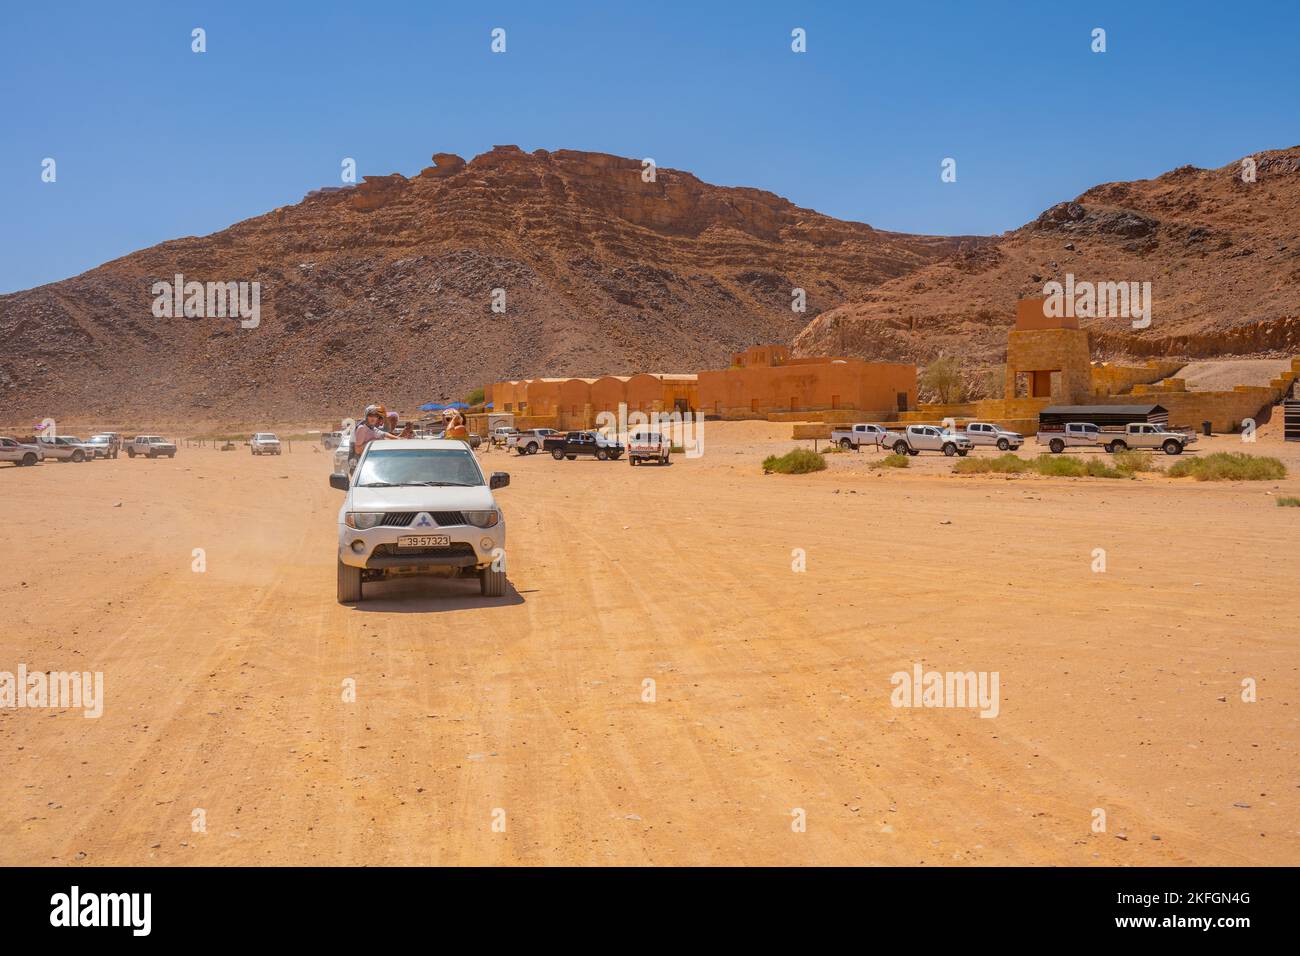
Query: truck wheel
(571, 457)
(130, 453)
(949, 449)
(29, 459)
(900, 448)
(666, 460)
(349, 584)
(914, 452)
(631, 460)
(1056, 445)
(601, 454)
(1003, 444)
(557, 454)
(845, 444)
(1116, 446)
(534, 448)
(78, 455)
(1172, 447)
(492, 583)
(963, 452)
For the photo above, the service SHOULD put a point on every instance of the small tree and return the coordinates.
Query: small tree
(475, 397)
(942, 379)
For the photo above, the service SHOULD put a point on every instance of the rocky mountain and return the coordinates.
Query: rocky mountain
(1220, 249)
(385, 290)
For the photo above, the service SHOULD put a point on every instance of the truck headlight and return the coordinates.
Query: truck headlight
(483, 519)
(363, 520)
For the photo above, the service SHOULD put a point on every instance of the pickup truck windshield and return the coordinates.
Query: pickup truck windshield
(419, 466)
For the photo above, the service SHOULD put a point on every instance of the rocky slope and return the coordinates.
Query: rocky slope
(1222, 256)
(385, 291)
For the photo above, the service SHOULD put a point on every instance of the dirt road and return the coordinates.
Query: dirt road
(1119, 691)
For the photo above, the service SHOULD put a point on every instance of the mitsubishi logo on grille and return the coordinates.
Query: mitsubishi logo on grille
(423, 520)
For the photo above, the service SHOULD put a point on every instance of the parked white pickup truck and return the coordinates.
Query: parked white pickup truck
(645, 445)
(1072, 435)
(20, 454)
(1147, 435)
(855, 436)
(66, 448)
(982, 433)
(915, 439)
(150, 446)
(529, 442)
(264, 443)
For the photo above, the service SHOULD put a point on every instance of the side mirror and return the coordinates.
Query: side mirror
(339, 480)
(499, 479)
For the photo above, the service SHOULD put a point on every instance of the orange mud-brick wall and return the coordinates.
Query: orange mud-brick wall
(765, 380)
(1047, 358)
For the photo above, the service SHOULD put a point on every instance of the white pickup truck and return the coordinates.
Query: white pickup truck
(1070, 435)
(983, 433)
(11, 449)
(915, 439)
(150, 446)
(645, 445)
(66, 448)
(529, 442)
(855, 436)
(423, 507)
(1147, 435)
(264, 443)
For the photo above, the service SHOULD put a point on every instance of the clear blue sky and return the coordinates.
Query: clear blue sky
(154, 142)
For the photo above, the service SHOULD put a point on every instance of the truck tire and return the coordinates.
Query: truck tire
(601, 454)
(78, 455)
(631, 459)
(534, 448)
(349, 584)
(557, 454)
(1172, 447)
(492, 583)
(1056, 445)
(29, 459)
(1117, 446)
(900, 448)
(571, 457)
(914, 452)
(949, 449)
(963, 452)
(846, 444)
(666, 460)
(1003, 444)
(130, 453)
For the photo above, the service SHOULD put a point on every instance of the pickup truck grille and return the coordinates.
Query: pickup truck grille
(403, 519)
(459, 550)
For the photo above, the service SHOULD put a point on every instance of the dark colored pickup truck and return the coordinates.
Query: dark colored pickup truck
(573, 444)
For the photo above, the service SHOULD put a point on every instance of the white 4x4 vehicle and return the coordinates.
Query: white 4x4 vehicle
(13, 450)
(65, 448)
(420, 506)
(264, 443)
(982, 433)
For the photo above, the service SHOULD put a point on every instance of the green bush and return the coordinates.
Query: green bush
(1058, 466)
(891, 461)
(1134, 460)
(1005, 464)
(1229, 466)
(798, 462)
(1288, 502)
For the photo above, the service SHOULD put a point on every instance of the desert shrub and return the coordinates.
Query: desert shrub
(1288, 502)
(1133, 461)
(891, 461)
(1005, 464)
(1229, 466)
(1055, 466)
(676, 450)
(798, 462)
(942, 379)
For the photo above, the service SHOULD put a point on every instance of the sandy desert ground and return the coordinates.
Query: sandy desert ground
(1120, 691)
